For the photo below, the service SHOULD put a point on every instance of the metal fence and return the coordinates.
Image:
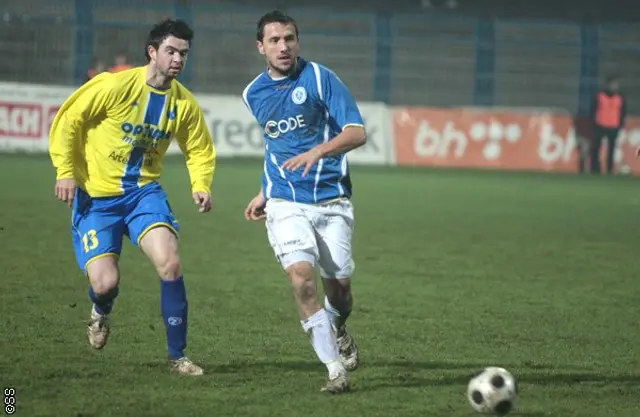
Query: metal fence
(396, 58)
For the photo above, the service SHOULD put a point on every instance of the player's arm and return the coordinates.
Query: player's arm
(255, 208)
(343, 112)
(350, 138)
(245, 100)
(87, 104)
(595, 103)
(196, 144)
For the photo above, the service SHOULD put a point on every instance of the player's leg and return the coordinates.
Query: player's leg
(292, 237)
(334, 235)
(97, 237)
(104, 277)
(339, 302)
(153, 228)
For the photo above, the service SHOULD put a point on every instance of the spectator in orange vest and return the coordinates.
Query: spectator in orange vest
(120, 64)
(608, 116)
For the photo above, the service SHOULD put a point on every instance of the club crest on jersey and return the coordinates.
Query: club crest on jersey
(173, 113)
(299, 95)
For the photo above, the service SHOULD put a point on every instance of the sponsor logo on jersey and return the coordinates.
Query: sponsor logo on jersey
(144, 131)
(274, 129)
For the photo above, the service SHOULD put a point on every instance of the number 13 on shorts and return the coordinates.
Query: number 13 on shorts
(90, 240)
(93, 242)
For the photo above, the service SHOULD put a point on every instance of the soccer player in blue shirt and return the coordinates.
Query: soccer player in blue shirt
(310, 122)
(107, 144)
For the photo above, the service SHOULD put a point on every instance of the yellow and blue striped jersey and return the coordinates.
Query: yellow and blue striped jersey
(111, 135)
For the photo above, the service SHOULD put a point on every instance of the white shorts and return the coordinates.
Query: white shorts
(318, 234)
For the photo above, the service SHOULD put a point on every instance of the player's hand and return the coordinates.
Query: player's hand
(255, 209)
(66, 190)
(203, 200)
(306, 160)
(638, 153)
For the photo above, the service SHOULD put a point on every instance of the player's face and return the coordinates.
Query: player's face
(170, 57)
(280, 47)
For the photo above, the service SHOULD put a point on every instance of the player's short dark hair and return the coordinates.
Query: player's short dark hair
(275, 16)
(162, 30)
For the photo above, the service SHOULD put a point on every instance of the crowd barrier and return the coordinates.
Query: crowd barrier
(509, 139)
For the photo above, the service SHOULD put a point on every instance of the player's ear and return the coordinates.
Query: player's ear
(152, 52)
(260, 47)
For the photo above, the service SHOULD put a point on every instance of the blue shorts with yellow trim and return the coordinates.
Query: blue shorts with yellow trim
(100, 224)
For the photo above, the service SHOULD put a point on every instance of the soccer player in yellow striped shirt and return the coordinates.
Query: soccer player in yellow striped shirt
(107, 143)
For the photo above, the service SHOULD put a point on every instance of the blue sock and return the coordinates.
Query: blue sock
(173, 299)
(103, 303)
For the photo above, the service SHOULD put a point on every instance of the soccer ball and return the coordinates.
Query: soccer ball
(493, 391)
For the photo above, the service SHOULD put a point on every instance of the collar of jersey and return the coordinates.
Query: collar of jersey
(299, 64)
(143, 75)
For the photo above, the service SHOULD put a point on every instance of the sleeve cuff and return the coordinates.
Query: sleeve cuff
(64, 174)
(200, 189)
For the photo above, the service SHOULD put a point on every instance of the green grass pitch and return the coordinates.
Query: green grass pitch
(456, 270)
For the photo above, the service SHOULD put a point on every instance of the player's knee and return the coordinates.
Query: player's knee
(302, 280)
(337, 289)
(102, 287)
(161, 247)
(169, 267)
(103, 274)
(300, 272)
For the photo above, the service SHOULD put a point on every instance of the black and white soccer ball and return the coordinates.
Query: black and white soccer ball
(493, 391)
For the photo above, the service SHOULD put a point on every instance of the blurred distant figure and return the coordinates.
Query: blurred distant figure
(121, 64)
(97, 66)
(608, 117)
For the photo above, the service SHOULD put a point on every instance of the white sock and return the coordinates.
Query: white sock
(331, 311)
(323, 340)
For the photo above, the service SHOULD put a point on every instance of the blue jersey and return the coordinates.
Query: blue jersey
(297, 113)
